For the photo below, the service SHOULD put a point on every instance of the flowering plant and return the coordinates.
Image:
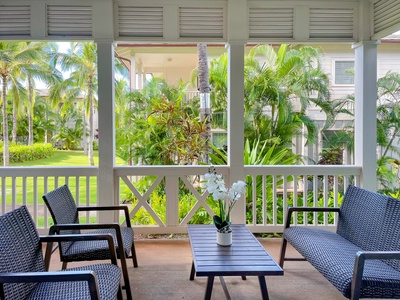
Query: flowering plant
(226, 199)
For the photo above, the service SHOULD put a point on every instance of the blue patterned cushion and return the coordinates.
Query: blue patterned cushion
(108, 277)
(94, 250)
(367, 221)
(333, 256)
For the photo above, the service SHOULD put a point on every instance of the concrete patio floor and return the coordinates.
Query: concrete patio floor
(164, 269)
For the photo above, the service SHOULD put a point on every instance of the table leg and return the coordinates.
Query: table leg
(210, 283)
(263, 286)
(192, 271)
(225, 288)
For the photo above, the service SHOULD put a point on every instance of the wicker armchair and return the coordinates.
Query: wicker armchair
(22, 269)
(64, 212)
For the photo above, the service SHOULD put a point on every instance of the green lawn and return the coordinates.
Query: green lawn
(65, 158)
(60, 158)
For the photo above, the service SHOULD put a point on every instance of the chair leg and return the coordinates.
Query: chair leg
(283, 252)
(64, 265)
(119, 296)
(133, 251)
(125, 273)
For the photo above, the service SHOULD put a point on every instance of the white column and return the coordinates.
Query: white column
(105, 183)
(133, 83)
(365, 112)
(140, 84)
(236, 122)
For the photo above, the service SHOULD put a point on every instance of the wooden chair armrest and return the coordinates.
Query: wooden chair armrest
(88, 276)
(110, 207)
(291, 210)
(361, 257)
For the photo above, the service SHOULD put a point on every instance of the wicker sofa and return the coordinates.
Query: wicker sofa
(362, 258)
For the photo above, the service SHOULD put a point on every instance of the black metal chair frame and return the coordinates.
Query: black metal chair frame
(55, 229)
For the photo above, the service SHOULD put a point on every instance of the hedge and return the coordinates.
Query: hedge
(21, 153)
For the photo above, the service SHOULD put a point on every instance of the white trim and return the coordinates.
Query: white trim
(333, 83)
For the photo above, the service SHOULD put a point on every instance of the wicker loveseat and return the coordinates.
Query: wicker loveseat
(362, 258)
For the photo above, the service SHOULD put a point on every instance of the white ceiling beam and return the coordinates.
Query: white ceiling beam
(103, 23)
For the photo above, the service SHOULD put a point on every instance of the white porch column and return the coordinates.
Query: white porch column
(365, 112)
(132, 74)
(236, 122)
(105, 183)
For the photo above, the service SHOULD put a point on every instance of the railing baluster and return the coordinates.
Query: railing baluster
(264, 200)
(24, 191)
(336, 195)
(274, 200)
(326, 198)
(254, 199)
(3, 194)
(87, 187)
(13, 193)
(295, 201)
(45, 190)
(315, 197)
(35, 202)
(285, 195)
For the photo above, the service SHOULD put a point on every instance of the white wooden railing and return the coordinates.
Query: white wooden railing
(271, 190)
(27, 185)
(280, 187)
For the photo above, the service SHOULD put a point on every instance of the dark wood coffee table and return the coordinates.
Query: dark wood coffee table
(245, 257)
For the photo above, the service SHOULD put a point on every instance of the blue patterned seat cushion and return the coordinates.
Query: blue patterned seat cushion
(108, 277)
(95, 250)
(333, 256)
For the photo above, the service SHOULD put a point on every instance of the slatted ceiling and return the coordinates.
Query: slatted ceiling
(204, 22)
(271, 22)
(68, 20)
(386, 14)
(136, 21)
(331, 23)
(15, 20)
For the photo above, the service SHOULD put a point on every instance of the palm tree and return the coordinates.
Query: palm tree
(276, 81)
(44, 119)
(39, 69)
(81, 60)
(204, 89)
(388, 111)
(13, 61)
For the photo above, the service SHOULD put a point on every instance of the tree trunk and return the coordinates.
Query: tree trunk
(14, 123)
(84, 133)
(30, 112)
(6, 155)
(46, 131)
(90, 137)
(204, 89)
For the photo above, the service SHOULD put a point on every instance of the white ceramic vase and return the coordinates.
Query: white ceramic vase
(224, 238)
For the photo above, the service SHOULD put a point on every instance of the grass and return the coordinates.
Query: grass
(61, 158)
(65, 158)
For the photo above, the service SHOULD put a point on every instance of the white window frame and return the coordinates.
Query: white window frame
(334, 71)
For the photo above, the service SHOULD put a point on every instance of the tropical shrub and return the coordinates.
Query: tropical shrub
(21, 153)
(159, 127)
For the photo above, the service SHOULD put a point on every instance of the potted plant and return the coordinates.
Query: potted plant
(226, 199)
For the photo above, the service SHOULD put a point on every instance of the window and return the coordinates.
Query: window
(343, 72)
